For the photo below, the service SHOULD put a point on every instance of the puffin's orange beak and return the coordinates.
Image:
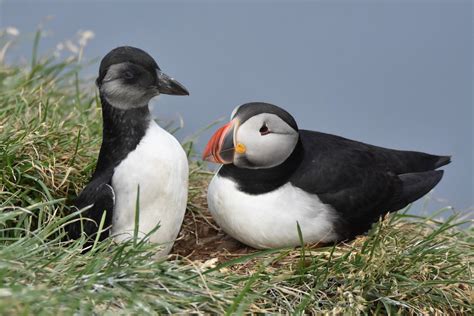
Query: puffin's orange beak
(220, 148)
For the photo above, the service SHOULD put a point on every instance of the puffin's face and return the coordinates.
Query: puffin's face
(259, 135)
(129, 78)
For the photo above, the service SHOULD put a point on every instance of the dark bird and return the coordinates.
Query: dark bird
(275, 176)
(138, 160)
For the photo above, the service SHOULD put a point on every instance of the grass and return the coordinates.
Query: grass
(49, 138)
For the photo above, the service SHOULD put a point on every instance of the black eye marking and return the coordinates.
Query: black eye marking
(264, 130)
(128, 75)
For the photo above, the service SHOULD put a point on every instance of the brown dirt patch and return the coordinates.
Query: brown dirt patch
(200, 238)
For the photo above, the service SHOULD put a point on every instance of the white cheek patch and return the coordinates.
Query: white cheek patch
(270, 150)
(123, 96)
(265, 151)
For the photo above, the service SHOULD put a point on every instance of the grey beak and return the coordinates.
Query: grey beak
(167, 85)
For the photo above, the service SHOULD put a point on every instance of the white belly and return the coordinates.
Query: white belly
(160, 166)
(269, 220)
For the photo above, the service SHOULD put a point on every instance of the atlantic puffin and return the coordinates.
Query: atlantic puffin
(138, 160)
(274, 177)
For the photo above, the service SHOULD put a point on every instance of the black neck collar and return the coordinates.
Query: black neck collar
(258, 181)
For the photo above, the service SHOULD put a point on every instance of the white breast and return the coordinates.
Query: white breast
(269, 220)
(160, 166)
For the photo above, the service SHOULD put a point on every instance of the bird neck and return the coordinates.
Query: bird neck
(258, 181)
(121, 134)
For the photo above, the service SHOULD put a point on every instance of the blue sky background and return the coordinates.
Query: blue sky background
(391, 73)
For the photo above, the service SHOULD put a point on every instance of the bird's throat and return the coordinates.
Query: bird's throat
(122, 132)
(259, 181)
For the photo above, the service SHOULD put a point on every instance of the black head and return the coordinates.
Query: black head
(129, 77)
(248, 110)
(259, 135)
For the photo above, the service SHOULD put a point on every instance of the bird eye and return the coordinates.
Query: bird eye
(264, 130)
(128, 75)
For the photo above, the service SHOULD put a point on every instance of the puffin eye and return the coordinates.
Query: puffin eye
(128, 75)
(264, 130)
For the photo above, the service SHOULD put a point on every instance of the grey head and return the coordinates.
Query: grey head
(129, 78)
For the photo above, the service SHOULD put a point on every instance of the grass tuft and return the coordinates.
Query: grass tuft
(50, 131)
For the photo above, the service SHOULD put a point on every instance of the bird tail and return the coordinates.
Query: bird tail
(442, 161)
(416, 185)
(401, 162)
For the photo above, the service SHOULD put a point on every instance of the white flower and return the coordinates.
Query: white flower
(71, 47)
(85, 36)
(58, 50)
(13, 31)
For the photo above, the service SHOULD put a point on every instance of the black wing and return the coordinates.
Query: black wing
(99, 196)
(362, 181)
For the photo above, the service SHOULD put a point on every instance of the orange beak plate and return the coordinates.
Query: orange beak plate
(220, 148)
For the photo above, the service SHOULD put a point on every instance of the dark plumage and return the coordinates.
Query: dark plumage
(363, 181)
(127, 54)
